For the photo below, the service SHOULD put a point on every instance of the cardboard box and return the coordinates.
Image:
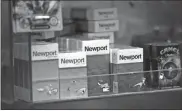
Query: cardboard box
(73, 75)
(102, 35)
(126, 60)
(34, 64)
(94, 14)
(97, 26)
(166, 58)
(40, 19)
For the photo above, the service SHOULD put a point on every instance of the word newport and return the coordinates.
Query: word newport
(74, 61)
(131, 57)
(87, 48)
(47, 54)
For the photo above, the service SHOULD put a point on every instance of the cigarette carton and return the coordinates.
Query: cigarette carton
(36, 71)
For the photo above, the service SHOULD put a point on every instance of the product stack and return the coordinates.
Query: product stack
(98, 23)
(95, 29)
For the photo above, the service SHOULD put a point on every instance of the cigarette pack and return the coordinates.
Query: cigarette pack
(166, 65)
(97, 26)
(102, 35)
(97, 52)
(83, 13)
(73, 75)
(36, 71)
(125, 62)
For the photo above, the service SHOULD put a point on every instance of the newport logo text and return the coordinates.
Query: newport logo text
(102, 37)
(45, 54)
(72, 61)
(107, 25)
(106, 13)
(87, 48)
(131, 57)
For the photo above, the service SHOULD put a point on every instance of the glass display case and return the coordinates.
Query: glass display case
(67, 51)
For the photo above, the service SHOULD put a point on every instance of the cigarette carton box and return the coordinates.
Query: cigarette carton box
(126, 61)
(97, 52)
(84, 13)
(73, 75)
(167, 60)
(102, 35)
(97, 26)
(36, 71)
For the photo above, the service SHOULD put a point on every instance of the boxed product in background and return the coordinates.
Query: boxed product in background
(126, 61)
(73, 75)
(37, 16)
(97, 64)
(85, 13)
(151, 78)
(36, 71)
(166, 59)
(68, 28)
(97, 26)
(101, 35)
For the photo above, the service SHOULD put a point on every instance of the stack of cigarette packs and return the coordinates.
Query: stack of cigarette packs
(125, 61)
(96, 23)
(97, 52)
(95, 28)
(36, 71)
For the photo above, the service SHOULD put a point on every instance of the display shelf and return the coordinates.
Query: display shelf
(165, 99)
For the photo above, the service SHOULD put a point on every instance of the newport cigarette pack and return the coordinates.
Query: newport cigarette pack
(36, 71)
(97, 26)
(102, 35)
(83, 13)
(97, 52)
(73, 75)
(126, 61)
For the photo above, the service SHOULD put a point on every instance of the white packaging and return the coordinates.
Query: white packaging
(73, 59)
(123, 56)
(95, 47)
(104, 35)
(98, 26)
(39, 51)
(94, 14)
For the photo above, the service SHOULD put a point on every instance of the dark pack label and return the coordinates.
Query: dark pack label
(169, 51)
